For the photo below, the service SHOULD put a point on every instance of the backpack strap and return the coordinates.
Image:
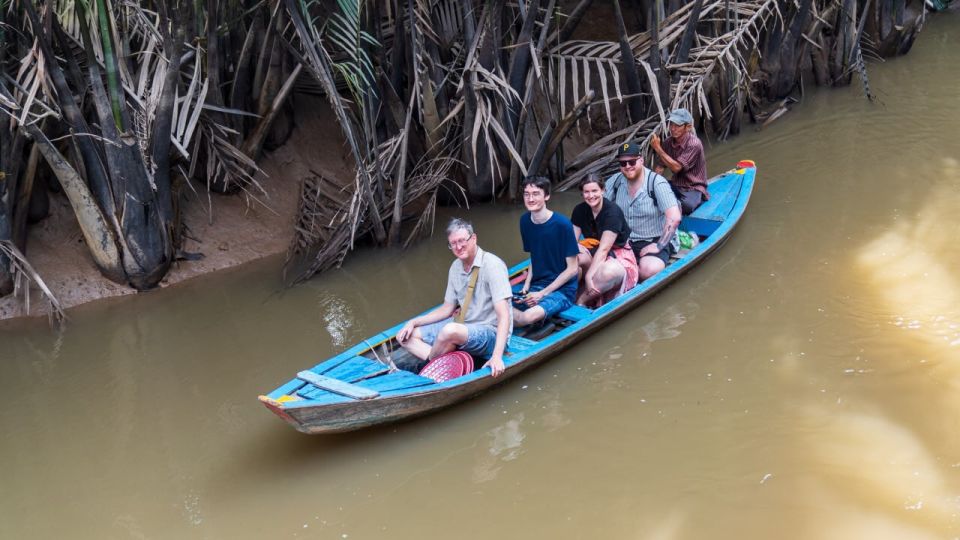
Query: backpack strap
(650, 186)
(616, 186)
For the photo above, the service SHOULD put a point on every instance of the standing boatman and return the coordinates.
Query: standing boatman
(682, 153)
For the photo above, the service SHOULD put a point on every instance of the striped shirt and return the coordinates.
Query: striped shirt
(645, 217)
(689, 154)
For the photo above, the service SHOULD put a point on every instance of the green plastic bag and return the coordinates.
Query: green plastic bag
(688, 240)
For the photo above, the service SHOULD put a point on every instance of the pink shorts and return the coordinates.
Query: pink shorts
(624, 256)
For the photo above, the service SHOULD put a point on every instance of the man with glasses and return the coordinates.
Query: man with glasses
(682, 153)
(650, 207)
(551, 284)
(484, 328)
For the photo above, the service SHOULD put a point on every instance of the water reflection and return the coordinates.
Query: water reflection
(889, 486)
(912, 267)
(503, 444)
(338, 319)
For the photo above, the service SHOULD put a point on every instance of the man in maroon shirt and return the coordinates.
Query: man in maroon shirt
(682, 153)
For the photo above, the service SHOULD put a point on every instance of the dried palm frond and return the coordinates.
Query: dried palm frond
(597, 158)
(227, 163)
(31, 79)
(23, 275)
(318, 61)
(143, 87)
(448, 16)
(577, 64)
(323, 234)
(723, 51)
(425, 222)
(68, 13)
(710, 56)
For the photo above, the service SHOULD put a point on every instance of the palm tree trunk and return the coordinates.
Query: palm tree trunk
(573, 20)
(520, 65)
(630, 72)
(95, 227)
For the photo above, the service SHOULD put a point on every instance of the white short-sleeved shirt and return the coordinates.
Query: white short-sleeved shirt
(493, 283)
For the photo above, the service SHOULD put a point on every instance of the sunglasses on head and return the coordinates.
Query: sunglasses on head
(627, 162)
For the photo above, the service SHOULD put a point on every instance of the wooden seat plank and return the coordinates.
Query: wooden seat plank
(398, 380)
(721, 203)
(327, 365)
(337, 386)
(575, 313)
(519, 344)
(702, 226)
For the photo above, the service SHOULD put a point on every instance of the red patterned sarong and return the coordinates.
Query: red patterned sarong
(626, 259)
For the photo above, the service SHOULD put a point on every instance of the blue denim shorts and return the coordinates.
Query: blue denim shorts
(552, 303)
(481, 338)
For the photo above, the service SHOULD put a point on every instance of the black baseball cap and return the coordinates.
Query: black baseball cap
(628, 149)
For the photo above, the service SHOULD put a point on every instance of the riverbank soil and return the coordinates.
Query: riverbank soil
(226, 230)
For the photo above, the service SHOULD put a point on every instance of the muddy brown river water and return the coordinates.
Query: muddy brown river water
(802, 383)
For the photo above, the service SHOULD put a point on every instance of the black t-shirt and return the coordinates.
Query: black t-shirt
(610, 218)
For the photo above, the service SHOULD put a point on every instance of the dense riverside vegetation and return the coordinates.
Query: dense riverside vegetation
(121, 104)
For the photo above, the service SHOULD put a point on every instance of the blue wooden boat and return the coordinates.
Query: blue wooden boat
(362, 386)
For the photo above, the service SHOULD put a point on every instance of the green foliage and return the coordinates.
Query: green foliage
(344, 30)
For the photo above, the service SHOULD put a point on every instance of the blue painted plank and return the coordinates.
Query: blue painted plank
(357, 368)
(724, 193)
(575, 313)
(327, 365)
(337, 386)
(519, 344)
(702, 226)
(721, 203)
(287, 389)
(398, 380)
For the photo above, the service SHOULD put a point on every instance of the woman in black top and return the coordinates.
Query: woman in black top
(607, 263)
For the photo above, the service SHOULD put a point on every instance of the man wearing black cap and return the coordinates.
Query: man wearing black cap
(682, 153)
(650, 207)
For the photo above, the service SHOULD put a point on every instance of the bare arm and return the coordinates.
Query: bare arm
(672, 164)
(673, 216)
(569, 273)
(503, 333)
(669, 228)
(528, 279)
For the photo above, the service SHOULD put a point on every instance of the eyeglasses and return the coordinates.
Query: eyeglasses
(628, 162)
(457, 244)
(533, 194)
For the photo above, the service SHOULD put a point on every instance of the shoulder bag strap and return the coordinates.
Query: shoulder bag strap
(466, 300)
